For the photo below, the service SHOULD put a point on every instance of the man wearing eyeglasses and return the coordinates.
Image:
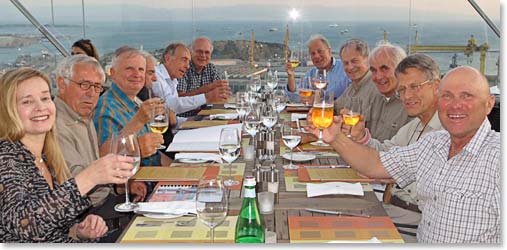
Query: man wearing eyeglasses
(456, 170)
(79, 80)
(202, 76)
(418, 81)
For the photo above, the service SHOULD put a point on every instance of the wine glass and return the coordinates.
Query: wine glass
(241, 104)
(269, 116)
(306, 91)
(229, 147)
(320, 79)
(255, 84)
(322, 113)
(126, 145)
(159, 122)
(271, 79)
(280, 101)
(294, 60)
(291, 138)
(353, 112)
(211, 203)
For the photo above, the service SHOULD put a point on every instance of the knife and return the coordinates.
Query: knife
(337, 212)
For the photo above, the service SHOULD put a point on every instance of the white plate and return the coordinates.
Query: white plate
(295, 105)
(192, 161)
(162, 216)
(299, 156)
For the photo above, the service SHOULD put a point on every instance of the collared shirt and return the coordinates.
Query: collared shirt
(114, 110)
(408, 134)
(78, 141)
(386, 117)
(194, 80)
(365, 90)
(29, 210)
(167, 87)
(459, 197)
(338, 80)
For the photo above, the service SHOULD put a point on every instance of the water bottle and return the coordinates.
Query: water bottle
(250, 225)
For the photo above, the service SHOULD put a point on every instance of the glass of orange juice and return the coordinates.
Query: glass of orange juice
(322, 112)
(353, 112)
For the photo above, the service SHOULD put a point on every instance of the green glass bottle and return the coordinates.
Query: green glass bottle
(250, 225)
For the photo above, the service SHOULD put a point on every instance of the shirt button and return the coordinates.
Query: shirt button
(429, 223)
(435, 198)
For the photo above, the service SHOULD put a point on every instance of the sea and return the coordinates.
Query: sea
(108, 36)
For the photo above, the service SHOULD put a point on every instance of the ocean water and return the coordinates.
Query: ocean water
(154, 35)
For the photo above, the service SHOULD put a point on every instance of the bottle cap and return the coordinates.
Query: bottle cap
(249, 181)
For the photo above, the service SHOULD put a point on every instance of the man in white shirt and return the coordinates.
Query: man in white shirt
(175, 62)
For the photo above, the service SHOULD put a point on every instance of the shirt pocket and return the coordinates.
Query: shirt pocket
(468, 212)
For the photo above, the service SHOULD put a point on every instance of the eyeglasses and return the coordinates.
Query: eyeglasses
(86, 85)
(413, 87)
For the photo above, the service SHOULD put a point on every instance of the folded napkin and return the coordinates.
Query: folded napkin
(199, 156)
(230, 105)
(169, 207)
(372, 240)
(224, 116)
(314, 189)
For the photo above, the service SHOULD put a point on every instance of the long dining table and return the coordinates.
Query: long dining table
(290, 221)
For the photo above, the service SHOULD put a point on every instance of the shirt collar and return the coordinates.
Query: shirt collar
(435, 123)
(475, 145)
(366, 78)
(122, 97)
(63, 108)
(163, 71)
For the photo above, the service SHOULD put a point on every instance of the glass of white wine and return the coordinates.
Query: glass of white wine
(322, 113)
(291, 138)
(294, 60)
(126, 145)
(229, 147)
(353, 112)
(320, 79)
(211, 202)
(159, 122)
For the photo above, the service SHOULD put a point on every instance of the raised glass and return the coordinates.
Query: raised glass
(322, 113)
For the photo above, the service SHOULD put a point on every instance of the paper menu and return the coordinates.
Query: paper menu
(199, 140)
(169, 173)
(313, 189)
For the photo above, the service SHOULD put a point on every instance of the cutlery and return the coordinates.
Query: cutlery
(337, 212)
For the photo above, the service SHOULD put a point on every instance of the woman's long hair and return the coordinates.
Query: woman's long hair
(11, 127)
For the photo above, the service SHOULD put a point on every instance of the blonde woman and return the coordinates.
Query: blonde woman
(39, 202)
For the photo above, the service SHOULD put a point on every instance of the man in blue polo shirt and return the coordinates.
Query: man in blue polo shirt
(320, 53)
(119, 109)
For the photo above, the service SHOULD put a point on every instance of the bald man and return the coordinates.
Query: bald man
(456, 170)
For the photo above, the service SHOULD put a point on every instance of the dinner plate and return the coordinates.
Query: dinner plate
(295, 105)
(161, 216)
(192, 161)
(299, 156)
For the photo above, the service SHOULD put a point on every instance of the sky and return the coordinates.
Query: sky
(324, 10)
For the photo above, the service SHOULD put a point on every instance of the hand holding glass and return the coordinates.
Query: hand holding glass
(353, 112)
(126, 145)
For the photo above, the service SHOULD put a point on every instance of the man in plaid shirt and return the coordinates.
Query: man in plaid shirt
(456, 170)
(202, 76)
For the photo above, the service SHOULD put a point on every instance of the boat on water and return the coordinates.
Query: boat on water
(334, 25)
(273, 29)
